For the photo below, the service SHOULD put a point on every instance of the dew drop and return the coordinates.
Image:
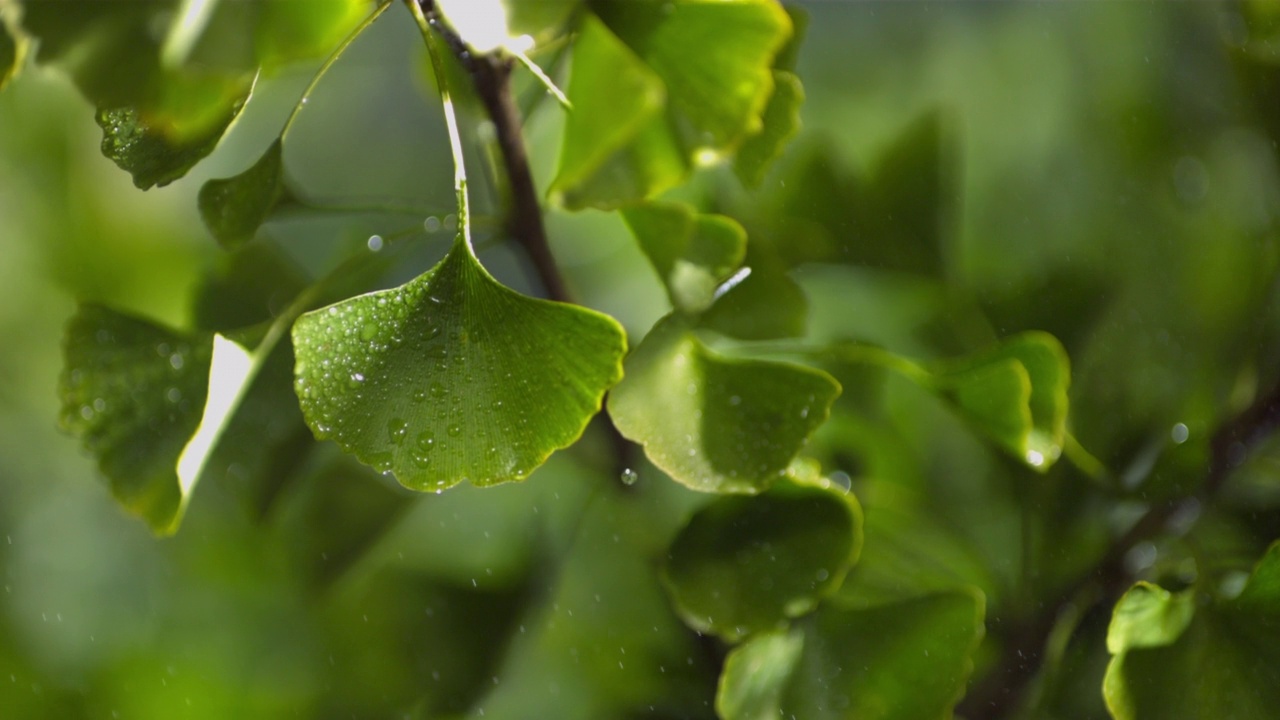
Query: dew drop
(375, 243)
(397, 429)
(419, 395)
(629, 477)
(455, 430)
(437, 390)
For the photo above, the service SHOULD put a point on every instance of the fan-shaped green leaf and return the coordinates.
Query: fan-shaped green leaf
(756, 675)
(660, 87)
(453, 377)
(712, 423)
(906, 660)
(233, 208)
(692, 253)
(781, 122)
(1175, 658)
(1016, 393)
(748, 564)
(133, 393)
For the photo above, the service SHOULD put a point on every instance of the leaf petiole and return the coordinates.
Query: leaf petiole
(329, 61)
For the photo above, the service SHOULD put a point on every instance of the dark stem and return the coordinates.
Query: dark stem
(491, 75)
(1000, 691)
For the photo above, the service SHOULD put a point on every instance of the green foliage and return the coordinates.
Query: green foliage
(1175, 657)
(453, 377)
(234, 208)
(646, 113)
(716, 424)
(132, 391)
(748, 564)
(883, 394)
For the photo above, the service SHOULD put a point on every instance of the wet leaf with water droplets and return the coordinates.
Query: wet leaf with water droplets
(151, 153)
(713, 423)
(133, 392)
(233, 208)
(748, 564)
(463, 379)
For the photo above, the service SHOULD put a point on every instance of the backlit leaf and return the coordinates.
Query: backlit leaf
(712, 423)
(150, 152)
(133, 392)
(660, 87)
(233, 208)
(1175, 657)
(692, 253)
(747, 564)
(453, 377)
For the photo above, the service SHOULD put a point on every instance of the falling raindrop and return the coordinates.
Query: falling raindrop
(630, 477)
(375, 243)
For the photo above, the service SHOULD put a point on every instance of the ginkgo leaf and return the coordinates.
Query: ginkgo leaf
(693, 253)
(150, 152)
(233, 208)
(909, 659)
(712, 423)
(1177, 656)
(748, 564)
(660, 87)
(1016, 393)
(133, 392)
(781, 122)
(453, 377)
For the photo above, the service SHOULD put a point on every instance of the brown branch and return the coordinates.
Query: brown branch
(1000, 691)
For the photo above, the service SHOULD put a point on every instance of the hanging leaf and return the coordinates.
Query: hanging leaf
(907, 660)
(781, 122)
(233, 208)
(1016, 393)
(748, 564)
(712, 423)
(692, 253)
(150, 152)
(453, 377)
(1175, 657)
(660, 87)
(133, 393)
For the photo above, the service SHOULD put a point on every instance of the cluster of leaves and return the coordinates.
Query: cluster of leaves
(453, 377)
